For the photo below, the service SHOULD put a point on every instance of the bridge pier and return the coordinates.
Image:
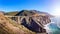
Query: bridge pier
(18, 20)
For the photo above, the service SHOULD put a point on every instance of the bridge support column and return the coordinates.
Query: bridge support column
(19, 20)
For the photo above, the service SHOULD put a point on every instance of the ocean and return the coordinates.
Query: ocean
(54, 26)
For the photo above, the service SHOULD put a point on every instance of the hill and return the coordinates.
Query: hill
(27, 12)
(11, 13)
(34, 20)
(7, 26)
(32, 12)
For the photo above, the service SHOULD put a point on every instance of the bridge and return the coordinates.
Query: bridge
(18, 19)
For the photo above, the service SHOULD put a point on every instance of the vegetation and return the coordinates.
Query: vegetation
(7, 26)
(11, 13)
(25, 13)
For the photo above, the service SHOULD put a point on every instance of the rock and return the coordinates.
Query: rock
(31, 23)
(33, 20)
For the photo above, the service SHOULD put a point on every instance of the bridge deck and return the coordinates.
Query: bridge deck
(19, 18)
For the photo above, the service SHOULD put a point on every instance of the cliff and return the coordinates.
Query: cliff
(34, 20)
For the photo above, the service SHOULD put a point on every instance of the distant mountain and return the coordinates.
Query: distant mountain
(25, 13)
(32, 12)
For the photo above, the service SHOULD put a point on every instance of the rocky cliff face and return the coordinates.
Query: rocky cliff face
(34, 21)
(7, 26)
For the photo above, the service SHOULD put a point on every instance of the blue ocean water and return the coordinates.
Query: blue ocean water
(53, 26)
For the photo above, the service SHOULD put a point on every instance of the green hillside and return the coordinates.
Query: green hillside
(11, 13)
(25, 13)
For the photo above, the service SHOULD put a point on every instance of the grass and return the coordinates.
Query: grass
(27, 31)
(8, 26)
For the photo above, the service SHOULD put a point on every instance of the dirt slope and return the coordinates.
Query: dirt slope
(7, 26)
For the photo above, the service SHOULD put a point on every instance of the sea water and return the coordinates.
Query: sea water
(54, 26)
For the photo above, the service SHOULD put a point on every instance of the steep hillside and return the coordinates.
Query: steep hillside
(7, 26)
(35, 23)
(34, 20)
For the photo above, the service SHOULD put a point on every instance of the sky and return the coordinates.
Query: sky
(50, 6)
